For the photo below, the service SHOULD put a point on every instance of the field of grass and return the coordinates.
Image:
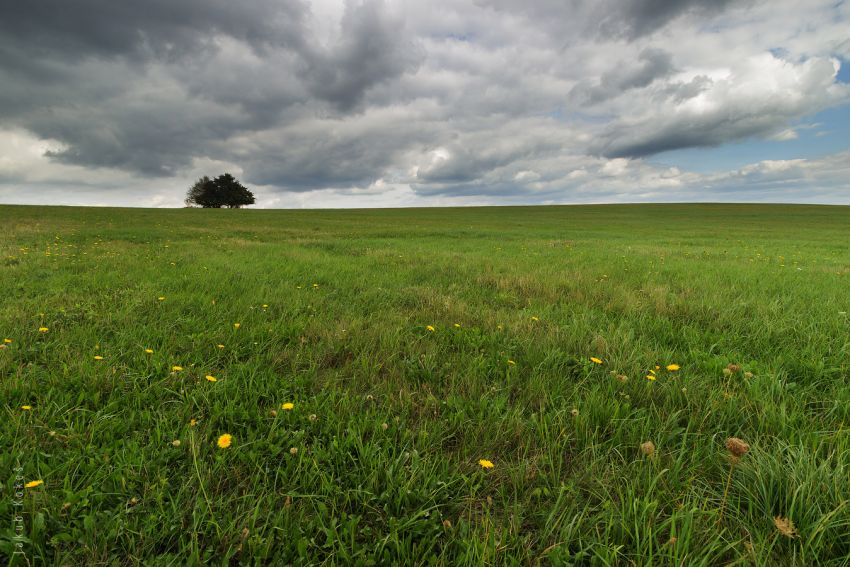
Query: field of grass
(412, 345)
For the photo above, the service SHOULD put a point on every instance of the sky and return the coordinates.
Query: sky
(399, 103)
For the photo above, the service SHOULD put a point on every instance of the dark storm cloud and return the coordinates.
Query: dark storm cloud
(333, 152)
(141, 29)
(636, 18)
(373, 48)
(149, 86)
(651, 64)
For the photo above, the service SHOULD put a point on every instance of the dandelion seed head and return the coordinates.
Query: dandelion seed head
(647, 448)
(785, 526)
(737, 447)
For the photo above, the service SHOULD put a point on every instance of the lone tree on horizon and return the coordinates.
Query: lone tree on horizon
(223, 191)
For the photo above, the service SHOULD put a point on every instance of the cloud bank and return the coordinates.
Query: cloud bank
(370, 103)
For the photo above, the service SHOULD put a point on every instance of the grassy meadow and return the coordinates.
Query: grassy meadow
(365, 368)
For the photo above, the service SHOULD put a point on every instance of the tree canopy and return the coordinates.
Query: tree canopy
(223, 191)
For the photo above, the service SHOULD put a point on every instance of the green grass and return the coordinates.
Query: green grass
(390, 419)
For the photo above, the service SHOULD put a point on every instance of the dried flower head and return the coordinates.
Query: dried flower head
(737, 447)
(733, 368)
(574, 412)
(785, 526)
(293, 451)
(622, 378)
(647, 448)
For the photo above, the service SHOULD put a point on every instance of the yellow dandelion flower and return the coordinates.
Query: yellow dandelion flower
(211, 378)
(265, 306)
(149, 350)
(98, 357)
(657, 367)
(430, 328)
(43, 329)
(595, 360)
(650, 377)
(7, 341)
(220, 346)
(535, 318)
(176, 368)
(486, 464)
(225, 440)
(511, 362)
(457, 325)
(499, 327)
(161, 298)
(193, 422)
(673, 367)
(287, 406)
(34, 483)
(237, 325)
(315, 285)
(26, 408)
